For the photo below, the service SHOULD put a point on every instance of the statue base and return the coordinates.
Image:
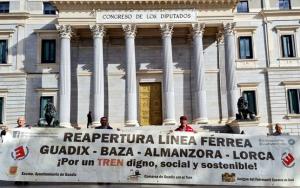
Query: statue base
(132, 123)
(200, 121)
(237, 125)
(65, 125)
(169, 122)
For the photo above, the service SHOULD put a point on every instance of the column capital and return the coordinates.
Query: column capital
(130, 30)
(97, 30)
(65, 31)
(166, 30)
(220, 35)
(198, 29)
(229, 27)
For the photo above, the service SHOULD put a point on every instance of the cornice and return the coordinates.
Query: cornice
(287, 27)
(7, 31)
(46, 89)
(288, 83)
(248, 84)
(19, 15)
(93, 2)
(245, 28)
(269, 13)
(45, 31)
(141, 4)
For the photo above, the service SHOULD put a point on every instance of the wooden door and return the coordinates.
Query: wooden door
(150, 103)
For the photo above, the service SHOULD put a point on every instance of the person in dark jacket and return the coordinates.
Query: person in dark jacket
(104, 124)
(89, 119)
(278, 130)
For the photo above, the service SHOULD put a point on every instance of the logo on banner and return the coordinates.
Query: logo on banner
(288, 160)
(134, 176)
(291, 141)
(16, 134)
(20, 153)
(228, 177)
(13, 170)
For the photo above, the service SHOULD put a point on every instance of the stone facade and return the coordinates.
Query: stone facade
(24, 79)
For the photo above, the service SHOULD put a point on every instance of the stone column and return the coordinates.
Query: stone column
(222, 75)
(198, 75)
(131, 107)
(230, 67)
(98, 74)
(168, 87)
(65, 75)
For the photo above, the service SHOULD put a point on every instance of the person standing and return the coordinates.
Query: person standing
(21, 123)
(278, 130)
(89, 119)
(184, 125)
(104, 124)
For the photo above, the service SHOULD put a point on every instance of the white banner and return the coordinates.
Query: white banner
(137, 156)
(146, 16)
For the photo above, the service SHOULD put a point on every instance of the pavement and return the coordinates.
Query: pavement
(5, 184)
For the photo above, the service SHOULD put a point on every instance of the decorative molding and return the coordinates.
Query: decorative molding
(290, 83)
(286, 27)
(12, 15)
(292, 116)
(98, 30)
(10, 31)
(245, 28)
(248, 84)
(46, 89)
(65, 31)
(166, 30)
(247, 63)
(44, 31)
(198, 29)
(129, 29)
(279, 13)
(286, 62)
(3, 90)
(140, 4)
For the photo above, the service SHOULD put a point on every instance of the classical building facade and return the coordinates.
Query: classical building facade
(149, 62)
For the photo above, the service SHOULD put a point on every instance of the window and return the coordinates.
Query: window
(48, 51)
(1, 109)
(3, 51)
(49, 9)
(245, 47)
(242, 6)
(288, 46)
(284, 4)
(250, 97)
(294, 101)
(44, 100)
(4, 7)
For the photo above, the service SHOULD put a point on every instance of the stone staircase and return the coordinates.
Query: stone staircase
(208, 128)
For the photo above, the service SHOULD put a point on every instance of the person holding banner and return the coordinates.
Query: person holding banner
(104, 124)
(278, 130)
(21, 123)
(184, 125)
(3, 133)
